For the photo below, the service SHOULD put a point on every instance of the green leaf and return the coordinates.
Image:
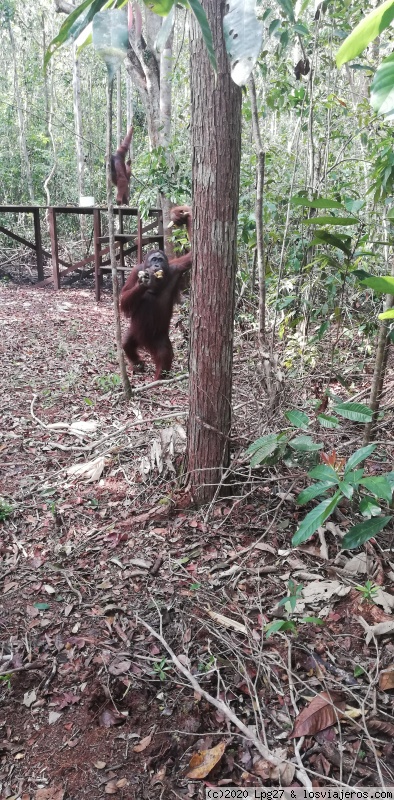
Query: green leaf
(357, 412)
(323, 472)
(365, 32)
(315, 519)
(262, 442)
(321, 202)
(165, 30)
(360, 533)
(287, 7)
(354, 477)
(384, 284)
(324, 237)
(262, 449)
(160, 7)
(298, 419)
(41, 606)
(327, 422)
(346, 489)
(382, 88)
(387, 314)
(315, 490)
(379, 486)
(358, 456)
(304, 444)
(330, 220)
(69, 30)
(275, 24)
(201, 18)
(279, 625)
(313, 620)
(369, 507)
(243, 35)
(300, 28)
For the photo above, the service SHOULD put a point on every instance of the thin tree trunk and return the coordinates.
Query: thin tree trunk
(259, 210)
(21, 121)
(165, 132)
(48, 90)
(111, 234)
(216, 147)
(381, 358)
(119, 135)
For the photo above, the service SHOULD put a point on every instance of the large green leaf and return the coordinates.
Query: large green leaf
(262, 449)
(304, 444)
(287, 7)
(315, 519)
(382, 88)
(357, 412)
(360, 533)
(324, 472)
(323, 237)
(298, 419)
(387, 314)
(330, 220)
(379, 486)
(327, 422)
(160, 7)
(75, 23)
(165, 30)
(384, 284)
(201, 18)
(243, 34)
(312, 491)
(321, 202)
(365, 32)
(358, 456)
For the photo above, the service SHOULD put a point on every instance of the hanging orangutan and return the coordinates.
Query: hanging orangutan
(121, 170)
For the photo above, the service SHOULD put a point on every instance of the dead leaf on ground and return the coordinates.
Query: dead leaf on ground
(89, 471)
(49, 794)
(204, 761)
(111, 787)
(144, 743)
(119, 667)
(282, 772)
(110, 717)
(376, 630)
(318, 715)
(227, 622)
(386, 679)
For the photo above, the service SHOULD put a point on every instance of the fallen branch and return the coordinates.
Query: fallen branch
(219, 704)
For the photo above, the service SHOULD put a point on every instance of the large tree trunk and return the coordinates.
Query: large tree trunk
(216, 145)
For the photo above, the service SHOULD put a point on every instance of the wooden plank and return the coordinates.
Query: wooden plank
(54, 247)
(19, 209)
(38, 240)
(17, 238)
(97, 252)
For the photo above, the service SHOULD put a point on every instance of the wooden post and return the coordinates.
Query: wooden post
(160, 231)
(54, 247)
(121, 253)
(139, 239)
(38, 243)
(97, 253)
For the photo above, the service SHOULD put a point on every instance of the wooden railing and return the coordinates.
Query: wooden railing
(126, 243)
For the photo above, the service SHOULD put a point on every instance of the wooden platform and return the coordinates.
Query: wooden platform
(126, 243)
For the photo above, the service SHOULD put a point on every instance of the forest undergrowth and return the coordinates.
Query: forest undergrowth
(126, 612)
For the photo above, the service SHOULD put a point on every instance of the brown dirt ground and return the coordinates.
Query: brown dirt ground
(91, 703)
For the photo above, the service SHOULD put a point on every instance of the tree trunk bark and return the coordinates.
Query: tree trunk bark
(216, 146)
(260, 154)
(165, 133)
(22, 134)
(112, 253)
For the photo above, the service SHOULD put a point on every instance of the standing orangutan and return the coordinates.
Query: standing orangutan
(121, 171)
(148, 299)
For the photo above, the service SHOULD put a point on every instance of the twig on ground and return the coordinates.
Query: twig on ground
(219, 704)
